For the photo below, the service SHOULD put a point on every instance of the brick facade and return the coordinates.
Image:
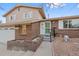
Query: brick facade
(32, 30)
(73, 33)
(24, 42)
(35, 29)
(54, 24)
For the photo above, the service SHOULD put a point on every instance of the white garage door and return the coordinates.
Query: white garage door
(6, 35)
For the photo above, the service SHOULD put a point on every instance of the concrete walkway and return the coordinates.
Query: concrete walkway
(44, 49)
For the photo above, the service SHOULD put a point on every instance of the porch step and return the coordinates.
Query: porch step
(46, 37)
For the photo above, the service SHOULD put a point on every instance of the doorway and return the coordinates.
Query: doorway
(45, 29)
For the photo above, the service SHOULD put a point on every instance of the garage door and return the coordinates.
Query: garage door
(6, 35)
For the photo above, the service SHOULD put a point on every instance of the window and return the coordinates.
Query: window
(47, 27)
(30, 15)
(18, 9)
(13, 17)
(75, 23)
(67, 23)
(27, 15)
(71, 23)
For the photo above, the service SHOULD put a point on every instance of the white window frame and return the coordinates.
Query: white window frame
(61, 25)
(29, 15)
(26, 16)
(13, 17)
(18, 9)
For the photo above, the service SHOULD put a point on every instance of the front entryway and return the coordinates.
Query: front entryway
(45, 29)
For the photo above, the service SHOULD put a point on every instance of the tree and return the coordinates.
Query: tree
(51, 5)
(55, 5)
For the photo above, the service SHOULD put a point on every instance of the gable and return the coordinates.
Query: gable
(38, 8)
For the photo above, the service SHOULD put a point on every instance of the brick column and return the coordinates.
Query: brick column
(23, 29)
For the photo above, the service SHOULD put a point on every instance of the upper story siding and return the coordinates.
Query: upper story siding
(19, 14)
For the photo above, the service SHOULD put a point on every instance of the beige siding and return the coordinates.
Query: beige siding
(20, 14)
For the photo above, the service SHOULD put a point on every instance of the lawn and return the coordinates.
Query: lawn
(70, 48)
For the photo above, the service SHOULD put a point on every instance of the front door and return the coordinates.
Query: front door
(45, 28)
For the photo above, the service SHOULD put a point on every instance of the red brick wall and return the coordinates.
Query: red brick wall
(32, 31)
(35, 29)
(74, 33)
(54, 24)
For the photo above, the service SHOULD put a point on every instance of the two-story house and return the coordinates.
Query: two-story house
(25, 21)
(30, 22)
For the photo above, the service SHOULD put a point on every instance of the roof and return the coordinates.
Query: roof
(27, 22)
(65, 17)
(17, 6)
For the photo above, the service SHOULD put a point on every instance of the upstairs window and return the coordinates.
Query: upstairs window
(30, 15)
(18, 9)
(27, 15)
(13, 17)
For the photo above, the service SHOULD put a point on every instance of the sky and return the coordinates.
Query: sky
(51, 11)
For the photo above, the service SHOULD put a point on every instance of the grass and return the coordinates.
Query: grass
(70, 48)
